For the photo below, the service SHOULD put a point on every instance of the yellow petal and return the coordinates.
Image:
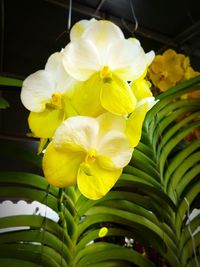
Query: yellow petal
(134, 124)
(117, 97)
(158, 65)
(169, 54)
(96, 182)
(175, 74)
(86, 97)
(61, 167)
(141, 89)
(42, 143)
(163, 85)
(109, 122)
(43, 124)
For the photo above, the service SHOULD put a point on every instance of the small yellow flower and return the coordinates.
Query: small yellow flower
(166, 70)
(103, 232)
(169, 69)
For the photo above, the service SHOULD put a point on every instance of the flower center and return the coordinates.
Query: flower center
(89, 160)
(106, 74)
(164, 75)
(91, 156)
(56, 100)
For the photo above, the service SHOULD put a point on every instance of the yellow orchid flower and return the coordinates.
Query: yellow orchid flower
(166, 70)
(45, 93)
(105, 61)
(88, 151)
(169, 69)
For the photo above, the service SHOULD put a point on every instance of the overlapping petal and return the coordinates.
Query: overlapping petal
(134, 124)
(37, 90)
(116, 147)
(43, 124)
(61, 167)
(141, 89)
(81, 59)
(109, 122)
(131, 62)
(86, 97)
(103, 34)
(77, 133)
(117, 97)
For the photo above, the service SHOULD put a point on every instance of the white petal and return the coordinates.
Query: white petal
(116, 147)
(102, 34)
(150, 57)
(79, 28)
(130, 63)
(63, 81)
(81, 59)
(37, 90)
(77, 133)
(149, 100)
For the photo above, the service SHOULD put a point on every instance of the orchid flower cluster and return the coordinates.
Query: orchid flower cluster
(90, 101)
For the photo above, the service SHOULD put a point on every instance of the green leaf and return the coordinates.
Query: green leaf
(100, 253)
(10, 81)
(3, 103)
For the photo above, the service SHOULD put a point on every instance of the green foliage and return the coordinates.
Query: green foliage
(10, 81)
(3, 103)
(149, 205)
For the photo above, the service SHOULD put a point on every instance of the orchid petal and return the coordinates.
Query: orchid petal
(117, 97)
(116, 147)
(81, 59)
(94, 182)
(77, 133)
(150, 57)
(141, 89)
(43, 124)
(54, 66)
(130, 63)
(79, 28)
(134, 124)
(61, 167)
(103, 34)
(108, 121)
(86, 97)
(37, 90)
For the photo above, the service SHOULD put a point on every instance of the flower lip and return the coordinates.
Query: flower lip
(106, 74)
(91, 156)
(56, 100)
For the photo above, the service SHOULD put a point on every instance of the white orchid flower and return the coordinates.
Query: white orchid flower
(45, 93)
(102, 57)
(90, 152)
